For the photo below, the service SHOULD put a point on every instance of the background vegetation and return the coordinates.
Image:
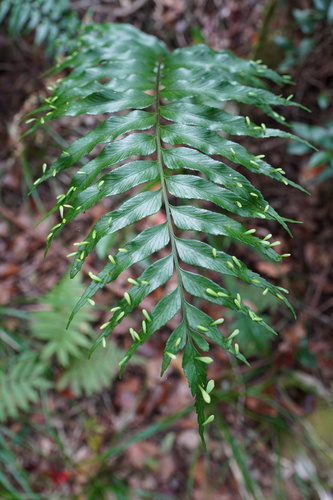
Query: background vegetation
(68, 427)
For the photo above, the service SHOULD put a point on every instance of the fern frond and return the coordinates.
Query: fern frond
(20, 383)
(54, 23)
(168, 128)
(49, 324)
(88, 376)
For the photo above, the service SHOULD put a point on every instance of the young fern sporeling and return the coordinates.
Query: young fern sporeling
(167, 134)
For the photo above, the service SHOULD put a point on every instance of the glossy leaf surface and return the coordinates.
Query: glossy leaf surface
(162, 149)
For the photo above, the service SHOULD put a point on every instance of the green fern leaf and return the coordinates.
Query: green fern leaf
(54, 23)
(49, 324)
(20, 383)
(169, 122)
(88, 376)
(195, 372)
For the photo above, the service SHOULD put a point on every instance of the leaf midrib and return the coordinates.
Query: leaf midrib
(160, 166)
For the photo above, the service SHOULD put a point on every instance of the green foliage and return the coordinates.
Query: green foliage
(322, 138)
(252, 336)
(322, 10)
(23, 376)
(11, 473)
(49, 323)
(71, 347)
(20, 382)
(88, 376)
(310, 22)
(165, 135)
(54, 23)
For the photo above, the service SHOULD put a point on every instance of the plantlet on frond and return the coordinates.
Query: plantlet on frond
(165, 127)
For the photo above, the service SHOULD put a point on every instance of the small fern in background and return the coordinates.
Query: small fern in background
(20, 382)
(164, 126)
(54, 23)
(89, 376)
(71, 347)
(49, 324)
(23, 376)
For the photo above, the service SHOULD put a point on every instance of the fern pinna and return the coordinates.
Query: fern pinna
(54, 23)
(165, 109)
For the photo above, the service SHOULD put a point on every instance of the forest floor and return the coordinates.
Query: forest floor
(128, 441)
